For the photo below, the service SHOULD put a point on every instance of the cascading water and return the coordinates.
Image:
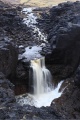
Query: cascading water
(43, 91)
(31, 21)
(41, 77)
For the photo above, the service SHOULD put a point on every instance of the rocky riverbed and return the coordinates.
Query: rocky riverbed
(61, 24)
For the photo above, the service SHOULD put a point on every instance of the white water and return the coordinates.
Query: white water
(44, 92)
(31, 21)
(44, 99)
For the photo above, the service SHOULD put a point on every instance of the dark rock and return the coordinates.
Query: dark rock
(62, 24)
(77, 80)
(8, 57)
(6, 91)
(22, 78)
(11, 23)
(68, 105)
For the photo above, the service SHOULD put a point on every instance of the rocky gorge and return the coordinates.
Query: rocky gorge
(61, 24)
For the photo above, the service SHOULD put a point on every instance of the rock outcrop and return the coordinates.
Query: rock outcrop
(62, 24)
(8, 48)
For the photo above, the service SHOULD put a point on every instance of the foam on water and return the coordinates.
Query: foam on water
(43, 99)
(31, 53)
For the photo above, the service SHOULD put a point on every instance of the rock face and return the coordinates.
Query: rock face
(22, 78)
(8, 49)
(8, 57)
(62, 24)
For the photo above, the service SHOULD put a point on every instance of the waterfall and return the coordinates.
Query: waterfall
(40, 82)
(41, 77)
(41, 85)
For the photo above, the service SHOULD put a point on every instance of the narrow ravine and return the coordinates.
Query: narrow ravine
(35, 83)
(40, 78)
